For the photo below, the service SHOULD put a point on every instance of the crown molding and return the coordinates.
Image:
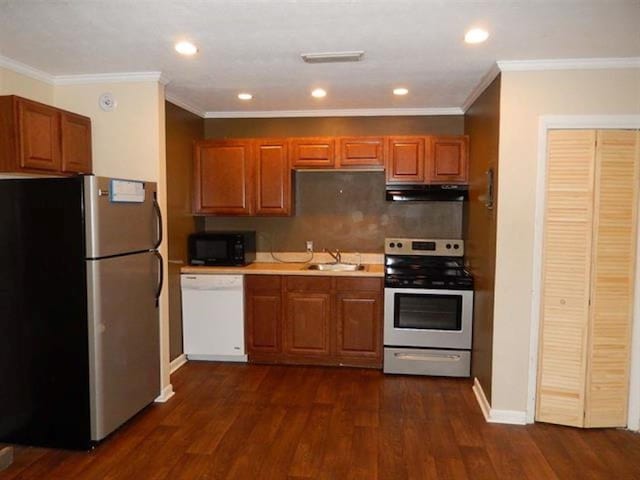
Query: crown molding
(169, 97)
(569, 64)
(486, 80)
(26, 70)
(82, 79)
(355, 112)
(121, 77)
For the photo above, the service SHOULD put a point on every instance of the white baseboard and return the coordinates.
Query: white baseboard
(166, 394)
(218, 358)
(492, 415)
(177, 362)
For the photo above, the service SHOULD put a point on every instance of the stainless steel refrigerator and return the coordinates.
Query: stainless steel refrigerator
(80, 279)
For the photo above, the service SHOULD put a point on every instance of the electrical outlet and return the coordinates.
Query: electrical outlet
(309, 246)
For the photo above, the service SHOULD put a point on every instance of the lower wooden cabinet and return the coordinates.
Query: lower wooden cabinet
(263, 314)
(307, 323)
(314, 320)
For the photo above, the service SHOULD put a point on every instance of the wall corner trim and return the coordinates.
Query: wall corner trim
(165, 395)
(485, 81)
(120, 77)
(177, 362)
(569, 64)
(355, 112)
(26, 70)
(492, 415)
(81, 79)
(169, 97)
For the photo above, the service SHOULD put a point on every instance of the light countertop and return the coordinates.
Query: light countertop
(272, 268)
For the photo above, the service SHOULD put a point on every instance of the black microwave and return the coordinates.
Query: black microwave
(222, 248)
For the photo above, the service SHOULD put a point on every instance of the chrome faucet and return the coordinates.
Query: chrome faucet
(336, 256)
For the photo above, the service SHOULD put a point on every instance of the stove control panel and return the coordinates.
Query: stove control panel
(424, 246)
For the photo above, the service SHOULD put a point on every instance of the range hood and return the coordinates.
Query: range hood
(427, 193)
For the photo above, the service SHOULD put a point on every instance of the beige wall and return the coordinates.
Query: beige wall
(128, 142)
(525, 97)
(12, 83)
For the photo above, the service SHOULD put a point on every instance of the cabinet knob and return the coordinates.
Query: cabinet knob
(563, 301)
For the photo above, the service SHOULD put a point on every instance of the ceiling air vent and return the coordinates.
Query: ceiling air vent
(333, 57)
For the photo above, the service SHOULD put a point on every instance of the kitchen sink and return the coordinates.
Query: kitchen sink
(336, 267)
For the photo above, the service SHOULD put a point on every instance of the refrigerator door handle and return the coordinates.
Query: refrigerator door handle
(160, 277)
(156, 207)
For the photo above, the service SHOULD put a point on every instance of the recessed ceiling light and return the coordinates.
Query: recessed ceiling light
(186, 48)
(400, 91)
(245, 96)
(319, 93)
(476, 35)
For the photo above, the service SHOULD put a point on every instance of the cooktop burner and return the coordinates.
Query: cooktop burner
(423, 263)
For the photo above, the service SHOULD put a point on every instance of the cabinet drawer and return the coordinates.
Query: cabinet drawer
(359, 284)
(263, 282)
(313, 152)
(361, 152)
(308, 284)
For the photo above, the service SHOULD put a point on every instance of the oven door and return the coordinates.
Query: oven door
(416, 317)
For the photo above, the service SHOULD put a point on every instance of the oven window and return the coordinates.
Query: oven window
(428, 311)
(211, 249)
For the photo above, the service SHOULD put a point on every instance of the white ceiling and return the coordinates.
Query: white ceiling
(255, 45)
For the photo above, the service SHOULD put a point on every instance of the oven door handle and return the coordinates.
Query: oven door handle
(432, 357)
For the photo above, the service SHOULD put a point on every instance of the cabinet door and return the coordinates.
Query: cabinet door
(448, 160)
(264, 317)
(308, 323)
(273, 178)
(39, 132)
(317, 152)
(76, 143)
(361, 152)
(359, 324)
(223, 178)
(405, 160)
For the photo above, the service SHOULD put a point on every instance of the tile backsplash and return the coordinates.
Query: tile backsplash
(347, 211)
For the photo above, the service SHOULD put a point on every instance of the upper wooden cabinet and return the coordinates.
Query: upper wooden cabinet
(448, 160)
(76, 143)
(430, 159)
(361, 152)
(315, 152)
(272, 177)
(405, 160)
(242, 177)
(223, 177)
(37, 138)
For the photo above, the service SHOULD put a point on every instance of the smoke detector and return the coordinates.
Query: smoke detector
(332, 57)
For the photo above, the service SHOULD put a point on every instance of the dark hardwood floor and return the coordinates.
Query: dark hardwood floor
(265, 422)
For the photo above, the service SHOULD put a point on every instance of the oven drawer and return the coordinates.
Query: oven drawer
(416, 361)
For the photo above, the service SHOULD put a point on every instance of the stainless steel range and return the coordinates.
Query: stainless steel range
(428, 308)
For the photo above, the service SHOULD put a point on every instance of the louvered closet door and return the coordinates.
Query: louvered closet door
(566, 274)
(612, 288)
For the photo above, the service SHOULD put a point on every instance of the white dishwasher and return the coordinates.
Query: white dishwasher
(213, 317)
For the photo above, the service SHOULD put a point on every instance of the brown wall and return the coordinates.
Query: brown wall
(347, 211)
(314, 126)
(482, 122)
(342, 210)
(182, 128)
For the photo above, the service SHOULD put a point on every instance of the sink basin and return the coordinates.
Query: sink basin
(335, 267)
